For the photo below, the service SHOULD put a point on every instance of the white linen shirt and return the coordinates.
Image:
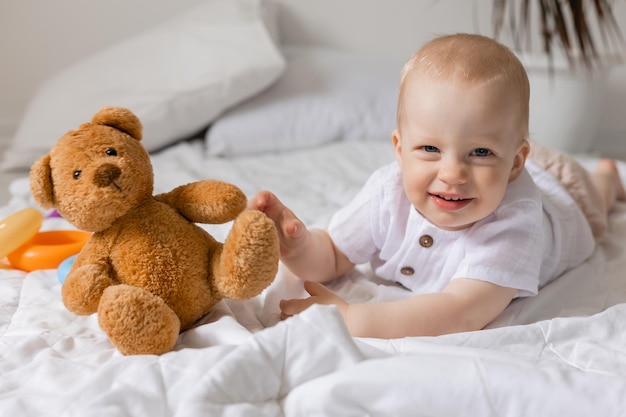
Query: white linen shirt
(536, 234)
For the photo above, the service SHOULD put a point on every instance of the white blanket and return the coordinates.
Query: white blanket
(562, 352)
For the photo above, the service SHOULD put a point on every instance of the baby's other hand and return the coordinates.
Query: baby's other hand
(319, 294)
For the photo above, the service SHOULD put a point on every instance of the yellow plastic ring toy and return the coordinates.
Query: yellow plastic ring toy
(18, 228)
(46, 250)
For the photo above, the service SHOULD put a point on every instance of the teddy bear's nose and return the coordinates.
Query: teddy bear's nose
(106, 175)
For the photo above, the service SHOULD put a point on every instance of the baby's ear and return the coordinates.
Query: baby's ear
(520, 160)
(41, 182)
(397, 145)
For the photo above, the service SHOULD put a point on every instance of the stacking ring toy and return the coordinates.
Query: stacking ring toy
(46, 250)
(18, 228)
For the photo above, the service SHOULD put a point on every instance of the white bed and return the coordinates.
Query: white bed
(562, 352)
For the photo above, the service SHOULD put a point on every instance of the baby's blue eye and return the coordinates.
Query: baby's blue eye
(482, 152)
(429, 148)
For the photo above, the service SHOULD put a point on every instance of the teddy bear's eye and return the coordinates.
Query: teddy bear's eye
(111, 152)
(77, 174)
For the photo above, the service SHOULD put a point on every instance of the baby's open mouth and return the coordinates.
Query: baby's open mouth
(445, 202)
(451, 198)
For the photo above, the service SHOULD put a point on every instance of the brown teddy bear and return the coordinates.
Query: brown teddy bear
(148, 270)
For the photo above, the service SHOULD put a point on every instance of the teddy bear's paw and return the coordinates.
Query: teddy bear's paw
(249, 260)
(83, 288)
(137, 321)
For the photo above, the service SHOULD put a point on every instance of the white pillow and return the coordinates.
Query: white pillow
(324, 95)
(176, 78)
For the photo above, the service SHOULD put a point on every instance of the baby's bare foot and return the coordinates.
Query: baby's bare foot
(608, 168)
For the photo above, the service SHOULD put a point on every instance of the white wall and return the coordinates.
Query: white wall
(40, 37)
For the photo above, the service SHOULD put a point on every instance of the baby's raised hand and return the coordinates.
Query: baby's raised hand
(291, 231)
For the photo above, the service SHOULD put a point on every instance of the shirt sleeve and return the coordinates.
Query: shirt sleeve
(353, 228)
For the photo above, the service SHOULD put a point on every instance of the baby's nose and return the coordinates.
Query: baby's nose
(453, 172)
(106, 174)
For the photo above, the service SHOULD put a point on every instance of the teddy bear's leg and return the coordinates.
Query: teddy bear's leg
(249, 259)
(137, 321)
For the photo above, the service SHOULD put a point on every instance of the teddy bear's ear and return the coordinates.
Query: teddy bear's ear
(41, 182)
(119, 118)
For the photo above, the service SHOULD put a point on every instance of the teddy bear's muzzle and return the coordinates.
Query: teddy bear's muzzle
(106, 175)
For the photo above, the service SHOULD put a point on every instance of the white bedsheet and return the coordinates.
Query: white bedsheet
(562, 352)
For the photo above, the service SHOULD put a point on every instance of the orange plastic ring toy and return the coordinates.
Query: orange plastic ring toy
(46, 250)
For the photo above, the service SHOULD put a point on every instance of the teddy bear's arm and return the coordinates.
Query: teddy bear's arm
(89, 276)
(208, 201)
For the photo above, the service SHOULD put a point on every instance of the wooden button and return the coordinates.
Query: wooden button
(426, 241)
(407, 270)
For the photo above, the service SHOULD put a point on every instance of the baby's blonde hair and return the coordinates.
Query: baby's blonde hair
(469, 58)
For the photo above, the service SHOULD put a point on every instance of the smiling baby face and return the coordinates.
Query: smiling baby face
(461, 135)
